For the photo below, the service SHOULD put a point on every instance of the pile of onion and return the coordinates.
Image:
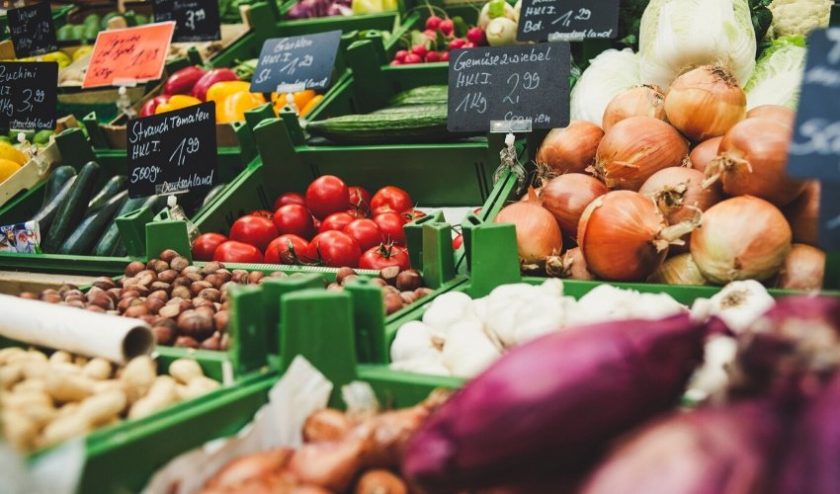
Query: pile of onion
(752, 159)
(571, 265)
(776, 113)
(679, 193)
(705, 102)
(566, 196)
(570, 149)
(704, 153)
(624, 237)
(678, 270)
(636, 148)
(803, 269)
(639, 101)
(803, 214)
(741, 238)
(537, 234)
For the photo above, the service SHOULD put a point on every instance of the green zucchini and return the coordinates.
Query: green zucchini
(46, 215)
(425, 123)
(111, 187)
(73, 208)
(111, 238)
(423, 95)
(56, 182)
(83, 238)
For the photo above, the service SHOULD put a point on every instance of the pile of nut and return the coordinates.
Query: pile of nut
(399, 288)
(48, 399)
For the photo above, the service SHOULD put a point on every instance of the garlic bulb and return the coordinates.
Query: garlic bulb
(738, 304)
(468, 350)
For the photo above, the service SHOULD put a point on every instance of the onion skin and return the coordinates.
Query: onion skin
(618, 235)
(775, 113)
(741, 238)
(636, 148)
(704, 153)
(678, 270)
(537, 233)
(639, 101)
(570, 149)
(803, 269)
(803, 214)
(531, 410)
(566, 196)
(705, 102)
(752, 160)
(720, 450)
(675, 189)
(572, 265)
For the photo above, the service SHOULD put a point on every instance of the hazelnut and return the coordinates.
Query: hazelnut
(212, 343)
(182, 280)
(225, 274)
(52, 298)
(160, 266)
(159, 294)
(159, 285)
(72, 298)
(278, 274)
(100, 299)
(408, 297)
(185, 304)
(125, 303)
(186, 341)
(73, 293)
(150, 319)
(144, 278)
(409, 280)
(211, 294)
(389, 274)
(197, 286)
(114, 293)
(167, 276)
(169, 311)
(129, 294)
(154, 304)
(348, 279)
(221, 319)
(390, 289)
(136, 311)
(214, 279)
(422, 292)
(393, 302)
(239, 276)
(150, 264)
(133, 268)
(78, 303)
(208, 310)
(211, 267)
(95, 308)
(196, 324)
(181, 292)
(193, 276)
(167, 322)
(167, 255)
(163, 335)
(66, 287)
(179, 263)
(142, 290)
(199, 302)
(104, 283)
(255, 277)
(29, 295)
(344, 273)
(190, 269)
(378, 282)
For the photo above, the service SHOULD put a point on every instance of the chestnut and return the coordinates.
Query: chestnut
(186, 341)
(195, 323)
(409, 280)
(211, 267)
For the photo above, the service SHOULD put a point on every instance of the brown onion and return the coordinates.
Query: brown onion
(678, 270)
(803, 214)
(537, 233)
(570, 149)
(624, 236)
(705, 102)
(752, 160)
(636, 148)
(679, 192)
(704, 153)
(571, 265)
(639, 101)
(803, 269)
(741, 238)
(775, 113)
(566, 196)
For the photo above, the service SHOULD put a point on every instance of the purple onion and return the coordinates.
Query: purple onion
(306, 9)
(812, 464)
(715, 450)
(555, 402)
(337, 9)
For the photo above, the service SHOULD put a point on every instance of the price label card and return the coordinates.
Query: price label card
(172, 153)
(28, 95)
(567, 20)
(300, 62)
(129, 56)
(32, 30)
(195, 20)
(513, 84)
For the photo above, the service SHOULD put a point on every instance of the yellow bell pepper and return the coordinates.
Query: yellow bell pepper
(233, 108)
(57, 56)
(311, 105)
(82, 51)
(301, 99)
(177, 102)
(221, 90)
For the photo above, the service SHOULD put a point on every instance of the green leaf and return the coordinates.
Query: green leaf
(496, 9)
(440, 41)
(461, 27)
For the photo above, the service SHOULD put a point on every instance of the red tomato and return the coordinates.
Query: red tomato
(205, 245)
(390, 199)
(263, 213)
(294, 219)
(254, 230)
(391, 226)
(383, 256)
(233, 251)
(457, 242)
(365, 232)
(412, 214)
(336, 221)
(289, 198)
(360, 199)
(356, 213)
(286, 249)
(316, 223)
(327, 195)
(335, 249)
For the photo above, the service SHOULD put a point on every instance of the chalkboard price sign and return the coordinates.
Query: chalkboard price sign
(299, 62)
(172, 153)
(32, 30)
(512, 84)
(196, 20)
(567, 20)
(28, 95)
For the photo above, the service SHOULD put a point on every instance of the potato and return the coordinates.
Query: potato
(11, 374)
(139, 375)
(39, 414)
(103, 407)
(35, 369)
(61, 357)
(98, 368)
(19, 430)
(26, 399)
(199, 386)
(65, 427)
(109, 385)
(185, 370)
(7, 353)
(162, 394)
(30, 385)
(66, 388)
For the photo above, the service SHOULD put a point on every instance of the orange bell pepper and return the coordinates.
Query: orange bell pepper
(221, 90)
(177, 102)
(311, 105)
(233, 108)
(301, 99)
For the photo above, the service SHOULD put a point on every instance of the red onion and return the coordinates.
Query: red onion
(639, 101)
(704, 153)
(803, 214)
(566, 196)
(636, 148)
(752, 160)
(803, 269)
(532, 409)
(741, 238)
(537, 233)
(705, 102)
(570, 149)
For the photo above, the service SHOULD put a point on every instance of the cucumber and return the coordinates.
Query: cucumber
(72, 208)
(214, 193)
(46, 215)
(82, 239)
(56, 182)
(424, 123)
(112, 186)
(111, 238)
(423, 95)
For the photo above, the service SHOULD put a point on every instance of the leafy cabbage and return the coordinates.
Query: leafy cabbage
(778, 75)
(608, 74)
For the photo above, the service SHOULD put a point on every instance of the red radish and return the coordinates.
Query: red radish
(476, 36)
(433, 22)
(444, 56)
(457, 43)
(446, 26)
(432, 56)
(468, 44)
(430, 34)
(411, 58)
(395, 62)
(419, 50)
(400, 55)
